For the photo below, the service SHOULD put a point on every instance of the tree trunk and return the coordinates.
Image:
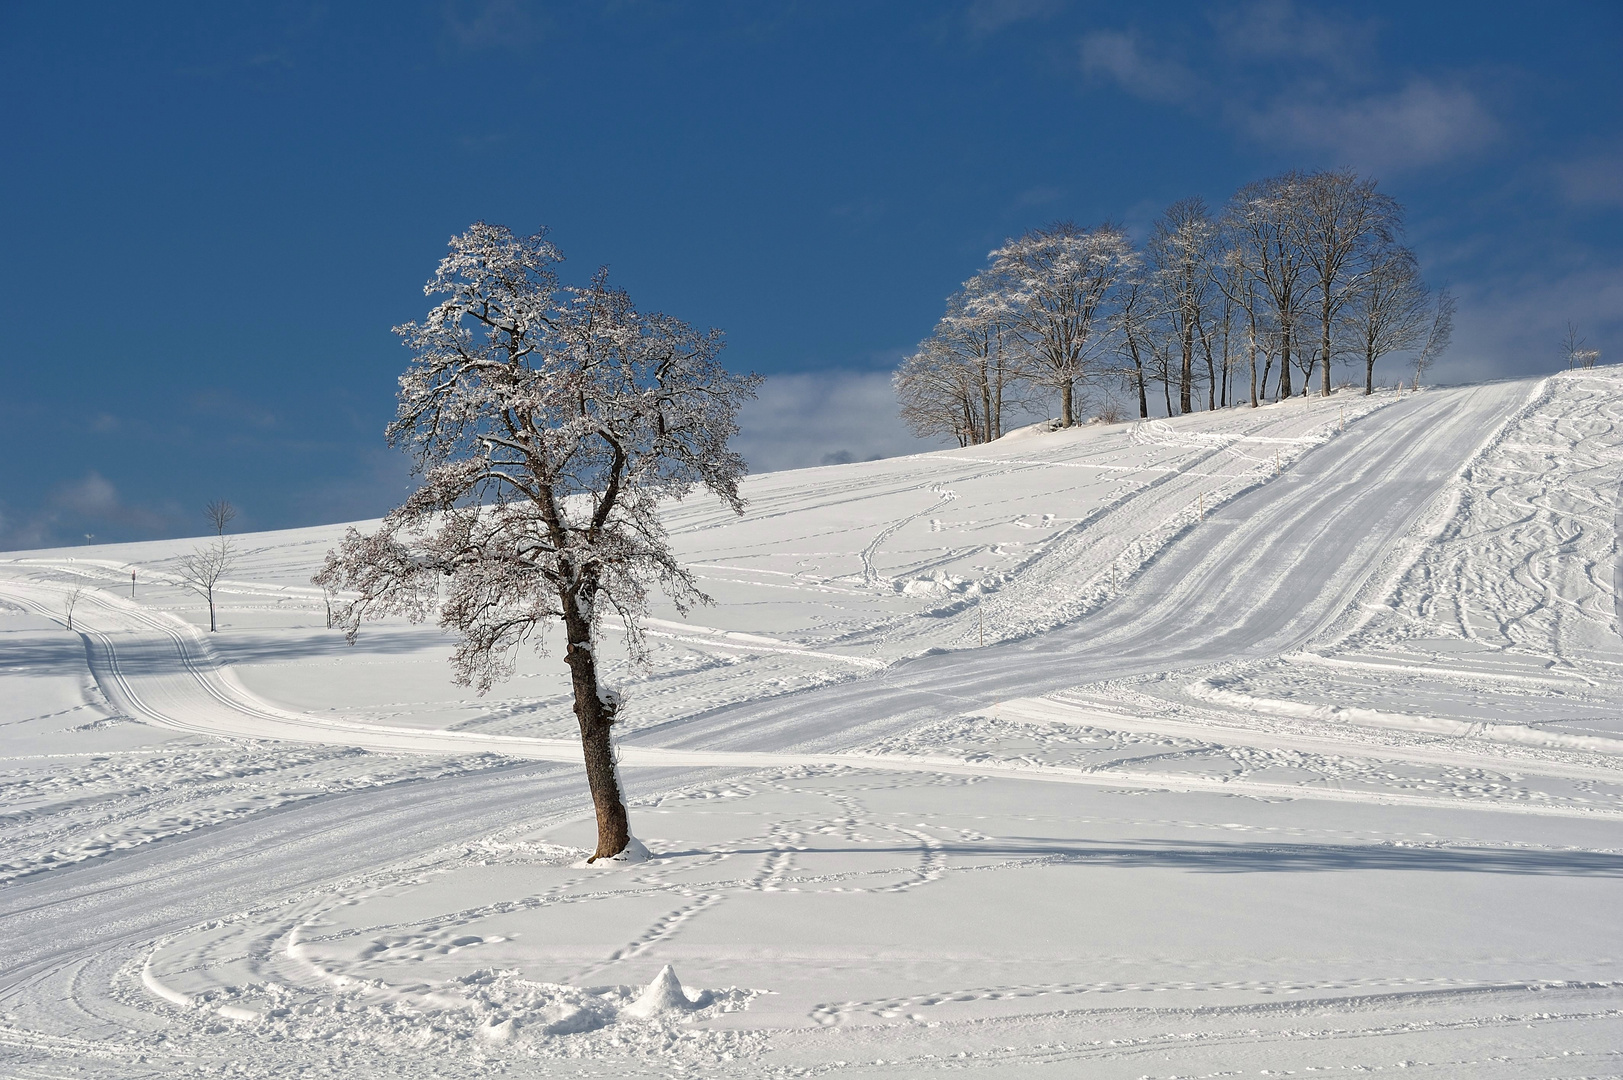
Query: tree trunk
(1369, 372)
(987, 423)
(1324, 344)
(596, 717)
(1187, 375)
(1065, 417)
(1285, 363)
(211, 611)
(1138, 372)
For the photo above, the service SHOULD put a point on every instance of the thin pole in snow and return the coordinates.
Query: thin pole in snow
(132, 584)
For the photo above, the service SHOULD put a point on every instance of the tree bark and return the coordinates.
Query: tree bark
(596, 717)
(1065, 417)
(1187, 375)
(1285, 363)
(1369, 372)
(1324, 346)
(1138, 372)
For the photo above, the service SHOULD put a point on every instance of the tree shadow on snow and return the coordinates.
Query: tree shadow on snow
(1240, 858)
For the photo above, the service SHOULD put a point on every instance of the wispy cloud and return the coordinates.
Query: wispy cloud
(1595, 180)
(79, 510)
(824, 417)
(1422, 124)
(1117, 56)
(1277, 29)
(1281, 76)
(491, 24)
(985, 17)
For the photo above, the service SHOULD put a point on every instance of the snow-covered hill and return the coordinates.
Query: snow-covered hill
(1274, 739)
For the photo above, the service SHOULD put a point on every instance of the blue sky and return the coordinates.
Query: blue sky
(212, 214)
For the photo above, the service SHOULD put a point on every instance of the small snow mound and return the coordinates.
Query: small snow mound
(1041, 427)
(635, 852)
(936, 584)
(664, 994)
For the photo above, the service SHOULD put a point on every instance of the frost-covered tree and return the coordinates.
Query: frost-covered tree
(1062, 284)
(937, 394)
(960, 378)
(1574, 352)
(1439, 335)
(547, 423)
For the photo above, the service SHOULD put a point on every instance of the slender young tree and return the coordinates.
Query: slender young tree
(1341, 219)
(203, 569)
(1237, 281)
(1133, 331)
(1573, 351)
(1389, 313)
(220, 513)
(1265, 218)
(548, 423)
(1180, 255)
(1439, 334)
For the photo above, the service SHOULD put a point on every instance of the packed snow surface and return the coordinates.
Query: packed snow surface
(1272, 741)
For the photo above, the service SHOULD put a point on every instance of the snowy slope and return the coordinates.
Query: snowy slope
(1293, 743)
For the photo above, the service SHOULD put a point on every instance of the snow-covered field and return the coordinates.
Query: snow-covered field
(1285, 740)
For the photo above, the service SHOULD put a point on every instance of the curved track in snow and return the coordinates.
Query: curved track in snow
(1260, 576)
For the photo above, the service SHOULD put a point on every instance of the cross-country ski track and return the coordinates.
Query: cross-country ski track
(1138, 735)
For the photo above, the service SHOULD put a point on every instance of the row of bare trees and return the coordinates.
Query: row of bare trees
(1298, 272)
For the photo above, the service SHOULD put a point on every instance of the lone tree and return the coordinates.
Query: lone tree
(202, 570)
(547, 423)
(220, 514)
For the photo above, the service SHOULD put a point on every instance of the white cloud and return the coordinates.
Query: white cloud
(1273, 29)
(1116, 55)
(490, 24)
(1289, 79)
(1593, 181)
(1422, 124)
(816, 418)
(1513, 327)
(989, 16)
